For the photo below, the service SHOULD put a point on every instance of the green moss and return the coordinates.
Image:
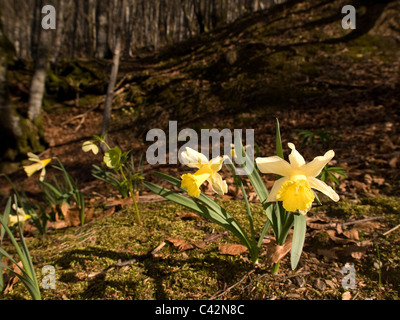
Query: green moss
(321, 240)
(367, 206)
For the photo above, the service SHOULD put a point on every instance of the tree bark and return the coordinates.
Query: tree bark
(101, 29)
(8, 118)
(111, 86)
(39, 77)
(59, 33)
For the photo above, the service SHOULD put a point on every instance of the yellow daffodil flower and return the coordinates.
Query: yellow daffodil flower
(207, 171)
(22, 217)
(298, 177)
(38, 165)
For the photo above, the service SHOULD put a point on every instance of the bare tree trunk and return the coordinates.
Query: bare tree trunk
(111, 86)
(39, 77)
(58, 39)
(8, 118)
(128, 23)
(101, 29)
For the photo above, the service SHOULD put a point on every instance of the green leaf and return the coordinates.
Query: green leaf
(279, 150)
(299, 234)
(209, 209)
(254, 177)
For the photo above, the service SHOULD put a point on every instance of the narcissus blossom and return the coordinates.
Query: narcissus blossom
(297, 179)
(38, 165)
(207, 171)
(14, 219)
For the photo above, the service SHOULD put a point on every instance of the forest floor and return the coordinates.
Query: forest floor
(296, 64)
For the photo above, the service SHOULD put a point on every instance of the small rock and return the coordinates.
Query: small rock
(319, 284)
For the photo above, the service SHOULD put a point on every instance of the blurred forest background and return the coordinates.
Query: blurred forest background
(89, 28)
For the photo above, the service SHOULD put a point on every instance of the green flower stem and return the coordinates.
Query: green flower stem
(132, 196)
(275, 268)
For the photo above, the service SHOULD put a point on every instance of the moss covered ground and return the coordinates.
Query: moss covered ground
(112, 258)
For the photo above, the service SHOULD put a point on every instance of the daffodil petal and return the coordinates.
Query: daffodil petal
(275, 188)
(295, 158)
(275, 165)
(324, 188)
(33, 157)
(314, 168)
(42, 174)
(45, 162)
(218, 184)
(304, 212)
(31, 169)
(193, 159)
(216, 163)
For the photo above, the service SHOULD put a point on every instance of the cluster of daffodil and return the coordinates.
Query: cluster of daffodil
(116, 160)
(54, 194)
(286, 205)
(23, 270)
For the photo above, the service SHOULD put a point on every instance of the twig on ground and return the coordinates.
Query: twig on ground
(222, 292)
(391, 230)
(362, 220)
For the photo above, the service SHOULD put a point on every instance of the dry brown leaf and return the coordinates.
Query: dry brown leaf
(109, 212)
(339, 229)
(252, 196)
(200, 244)
(72, 217)
(360, 186)
(215, 236)
(368, 179)
(368, 226)
(393, 162)
(331, 284)
(346, 295)
(181, 244)
(334, 238)
(60, 224)
(379, 181)
(275, 252)
(13, 279)
(232, 249)
(188, 216)
(114, 202)
(328, 253)
(352, 234)
(357, 252)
